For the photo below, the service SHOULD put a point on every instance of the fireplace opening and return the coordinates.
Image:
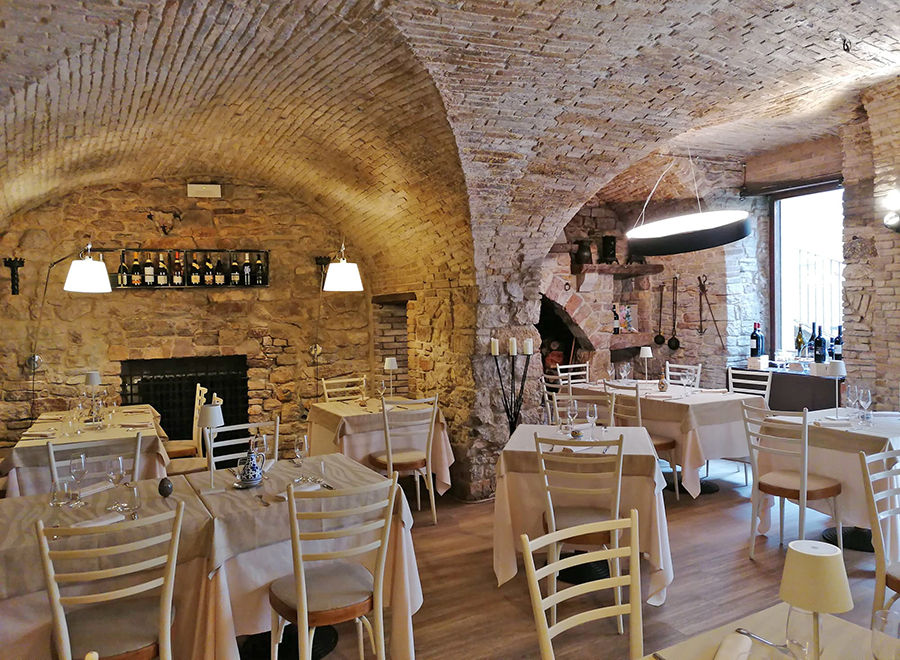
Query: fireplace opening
(169, 385)
(559, 345)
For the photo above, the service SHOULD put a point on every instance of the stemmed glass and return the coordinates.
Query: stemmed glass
(591, 414)
(59, 493)
(886, 635)
(799, 633)
(852, 398)
(381, 388)
(865, 400)
(78, 469)
(300, 452)
(115, 471)
(688, 379)
(625, 370)
(572, 413)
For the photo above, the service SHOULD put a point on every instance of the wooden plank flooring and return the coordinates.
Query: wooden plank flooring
(466, 616)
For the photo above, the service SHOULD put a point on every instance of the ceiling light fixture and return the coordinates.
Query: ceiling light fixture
(686, 233)
(342, 275)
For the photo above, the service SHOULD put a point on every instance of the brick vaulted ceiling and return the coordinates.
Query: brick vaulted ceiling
(406, 121)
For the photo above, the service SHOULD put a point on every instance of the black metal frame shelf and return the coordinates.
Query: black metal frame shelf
(231, 254)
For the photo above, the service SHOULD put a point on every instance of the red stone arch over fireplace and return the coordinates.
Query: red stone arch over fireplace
(584, 318)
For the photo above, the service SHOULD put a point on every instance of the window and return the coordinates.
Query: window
(808, 265)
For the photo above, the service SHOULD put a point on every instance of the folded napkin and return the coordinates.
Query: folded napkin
(108, 519)
(93, 489)
(659, 395)
(734, 647)
(39, 434)
(269, 464)
(834, 423)
(707, 390)
(136, 425)
(300, 487)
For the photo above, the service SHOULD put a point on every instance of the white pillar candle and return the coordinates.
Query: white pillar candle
(512, 346)
(495, 347)
(529, 346)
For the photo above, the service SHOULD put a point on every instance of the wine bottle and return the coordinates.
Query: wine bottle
(754, 341)
(615, 321)
(811, 344)
(820, 347)
(136, 271)
(798, 342)
(219, 273)
(178, 271)
(209, 277)
(162, 271)
(195, 276)
(149, 271)
(260, 277)
(839, 344)
(246, 271)
(235, 271)
(762, 340)
(122, 275)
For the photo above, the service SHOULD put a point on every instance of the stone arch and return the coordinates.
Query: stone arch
(582, 318)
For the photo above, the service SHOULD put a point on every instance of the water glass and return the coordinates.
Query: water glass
(591, 415)
(132, 502)
(799, 633)
(381, 388)
(572, 413)
(78, 470)
(886, 635)
(852, 398)
(316, 467)
(261, 445)
(300, 451)
(59, 492)
(115, 471)
(865, 400)
(625, 370)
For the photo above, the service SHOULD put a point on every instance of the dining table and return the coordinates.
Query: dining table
(25, 620)
(250, 547)
(356, 429)
(705, 423)
(520, 502)
(27, 464)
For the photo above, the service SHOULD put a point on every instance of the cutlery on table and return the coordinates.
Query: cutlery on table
(263, 501)
(657, 656)
(781, 647)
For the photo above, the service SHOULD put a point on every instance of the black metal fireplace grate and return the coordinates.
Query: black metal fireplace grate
(169, 386)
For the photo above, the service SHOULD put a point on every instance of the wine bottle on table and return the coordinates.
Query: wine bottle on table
(235, 278)
(762, 339)
(178, 271)
(247, 271)
(839, 344)
(122, 274)
(754, 341)
(136, 278)
(162, 271)
(208, 274)
(821, 347)
(811, 344)
(798, 342)
(219, 273)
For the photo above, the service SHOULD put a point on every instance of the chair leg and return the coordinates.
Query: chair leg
(674, 473)
(306, 652)
(277, 632)
(552, 557)
(746, 481)
(359, 639)
(378, 615)
(418, 492)
(780, 521)
(429, 484)
(614, 572)
(707, 469)
(754, 499)
(836, 509)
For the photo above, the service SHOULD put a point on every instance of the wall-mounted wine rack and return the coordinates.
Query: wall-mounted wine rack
(215, 269)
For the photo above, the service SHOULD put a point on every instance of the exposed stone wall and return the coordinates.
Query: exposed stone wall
(273, 326)
(391, 340)
(797, 162)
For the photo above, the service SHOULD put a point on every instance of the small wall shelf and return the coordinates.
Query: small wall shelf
(258, 265)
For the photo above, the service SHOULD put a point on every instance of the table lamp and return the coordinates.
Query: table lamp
(647, 354)
(92, 378)
(836, 369)
(210, 418)
(390, 364)
(815, 580)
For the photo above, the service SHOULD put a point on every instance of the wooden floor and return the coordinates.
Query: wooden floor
(465, 614)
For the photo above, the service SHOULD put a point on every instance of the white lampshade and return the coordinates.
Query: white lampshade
(815, 579)
(390, 364)
(342, 276)
(211, 416)
(87, 276)
(646, 352)
(836, 368)
(92, 378)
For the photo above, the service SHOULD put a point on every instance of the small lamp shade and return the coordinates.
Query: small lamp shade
(211, 416)
(92, 378)
(390, 364)
(646, 352)
(87, 276)
(815, 579)
(342, 276)
(836, 368)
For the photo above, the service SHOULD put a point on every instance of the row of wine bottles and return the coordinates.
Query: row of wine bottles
(820, 347)
(198, 271)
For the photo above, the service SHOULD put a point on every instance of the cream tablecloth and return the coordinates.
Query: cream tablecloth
(251, 548)
(27, 464)
(519, 504)
(356, 431)
(25, 621)
(705, 425)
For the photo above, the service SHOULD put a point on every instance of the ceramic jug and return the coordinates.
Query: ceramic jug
(251, 467)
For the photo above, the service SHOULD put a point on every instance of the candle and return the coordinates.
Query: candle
(495, 347)
(512, 346)
(529, 346)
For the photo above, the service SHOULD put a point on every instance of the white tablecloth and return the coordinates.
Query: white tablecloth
(519, 504)
(357, 431)
(705, 425)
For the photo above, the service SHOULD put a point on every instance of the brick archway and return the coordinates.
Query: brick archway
(582, 318)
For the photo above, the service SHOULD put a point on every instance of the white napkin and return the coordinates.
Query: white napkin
(93, 489)
(734, 646)
(707, 390)
(836, 423)
(39, 434)
(269, 464)
(659, 395)
(136, 425)
(108, 519)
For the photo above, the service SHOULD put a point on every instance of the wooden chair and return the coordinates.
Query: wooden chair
(403, 430)
(96, 453)
(550, 387)
(603, 401)
(192, 447)
(745, 381)
(573, 374)
(588, 489)
(626, 405)
(326, 589)
(881, 479)
(116, 625)
(344, 389)
(675, 372)
(787, 437)
(539, 605)
(235, 447)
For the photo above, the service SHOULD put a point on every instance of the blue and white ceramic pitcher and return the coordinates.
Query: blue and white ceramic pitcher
(251, 467)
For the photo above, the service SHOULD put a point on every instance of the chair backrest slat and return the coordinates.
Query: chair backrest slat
(626, 403)
(235, 448)
(603, 401)
(881, 483)
(344, 389)
(675, 372)
(745, 381)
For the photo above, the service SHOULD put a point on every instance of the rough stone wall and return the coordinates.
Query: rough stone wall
(391, 340)
(273, 326)
(797, 162)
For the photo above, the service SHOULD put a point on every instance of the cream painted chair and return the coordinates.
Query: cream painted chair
(97, 453)
(626, 405)
(325, 589)
(675, 372)
(881, 479)
(197, 462)
(344, 389)
(236, 448)
(539, 605)
(602, 400)
(587, 488)
(115, 624)
(573, 374)
(192, 447)
(785, 435)
(404, 430)
(550, 387)
(745, 381)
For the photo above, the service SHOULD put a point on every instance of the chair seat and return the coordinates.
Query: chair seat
(404, 459)
(786, 483)
(892, 577)
(572, 516)
(180, 448)
(336, 591)
(119, 629)
(186, 465)
(662, 443)
(3, 482)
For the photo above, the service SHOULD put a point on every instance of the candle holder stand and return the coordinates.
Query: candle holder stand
(512, 399)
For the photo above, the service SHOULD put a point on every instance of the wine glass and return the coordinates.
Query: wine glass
(59, 493)
(572, 413)
(115, 472)
(78, 469)
(852, 398)
(886, 635)
(865, 400)
(132, 501)
(299, 452)
(625, 370)
(799, 633)
(261, 445)
(381, 388)
(591, 415)
(688, 379)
